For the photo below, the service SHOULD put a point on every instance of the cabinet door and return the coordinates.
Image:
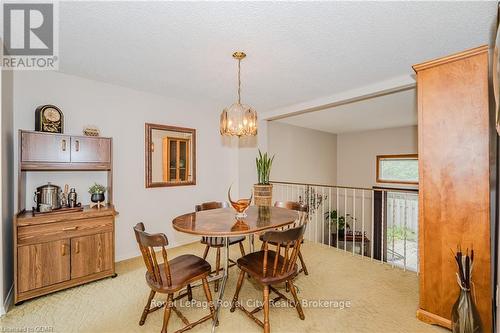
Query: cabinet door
(41, 265)
(43, 147)
(91, 254)
(92, 150)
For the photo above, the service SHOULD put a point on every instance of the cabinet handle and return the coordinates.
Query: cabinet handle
(63, 250)
(77, 145)
(63, 144)
(77, 247)
(69, 228)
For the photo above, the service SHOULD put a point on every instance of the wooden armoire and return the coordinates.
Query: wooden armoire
(454, 133)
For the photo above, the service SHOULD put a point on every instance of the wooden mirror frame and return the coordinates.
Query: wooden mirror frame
(148, 141)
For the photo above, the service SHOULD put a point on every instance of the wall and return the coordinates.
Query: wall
(357, 151)
(248, 150)
(302, 155)
(121, 113)
(6, 194)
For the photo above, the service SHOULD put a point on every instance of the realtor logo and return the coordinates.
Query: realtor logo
(29, 35)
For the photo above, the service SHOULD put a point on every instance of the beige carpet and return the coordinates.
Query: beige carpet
(382, 299)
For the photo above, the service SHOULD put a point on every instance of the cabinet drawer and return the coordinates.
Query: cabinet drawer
(60, 230)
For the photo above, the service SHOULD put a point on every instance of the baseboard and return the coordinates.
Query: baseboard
(433, 319)
(8, 301)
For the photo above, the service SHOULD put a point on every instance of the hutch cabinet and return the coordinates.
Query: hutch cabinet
(57, 250)
(454, 184)
(176, 163)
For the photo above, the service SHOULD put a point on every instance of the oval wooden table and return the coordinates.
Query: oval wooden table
(222, 222)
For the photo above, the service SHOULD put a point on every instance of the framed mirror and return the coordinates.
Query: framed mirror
(170, 156)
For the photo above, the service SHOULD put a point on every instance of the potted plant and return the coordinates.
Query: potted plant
(263, 191)
(341, 221)
(97, 193)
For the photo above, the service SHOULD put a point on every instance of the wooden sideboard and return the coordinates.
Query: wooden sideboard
(58, 250)
(454, 133)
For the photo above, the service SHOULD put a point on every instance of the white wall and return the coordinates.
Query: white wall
(121, 113)
(357, 151)
(248, 150)
(303, 155)
(7, 189)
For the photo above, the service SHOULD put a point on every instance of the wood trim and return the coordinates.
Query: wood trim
(450, 58)
(379, 157)
(26, 218)
(73, 166)
(433, 319)
(149, 127)
(60, 286)
(64, 134)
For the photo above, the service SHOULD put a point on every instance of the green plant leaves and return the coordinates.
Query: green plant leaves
(263, 163)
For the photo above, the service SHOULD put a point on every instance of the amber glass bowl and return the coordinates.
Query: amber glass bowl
(240, 206)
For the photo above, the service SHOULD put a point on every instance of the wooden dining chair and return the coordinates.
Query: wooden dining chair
(171, 276)
(270, 267)
(218, 242)
(303, 211)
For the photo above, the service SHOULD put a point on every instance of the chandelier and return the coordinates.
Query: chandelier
(238, 119)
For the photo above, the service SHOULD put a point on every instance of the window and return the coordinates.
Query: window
(402, 169)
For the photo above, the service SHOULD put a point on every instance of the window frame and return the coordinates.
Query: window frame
(394, 156)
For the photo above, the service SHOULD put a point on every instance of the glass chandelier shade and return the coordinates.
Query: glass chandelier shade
(238, 119)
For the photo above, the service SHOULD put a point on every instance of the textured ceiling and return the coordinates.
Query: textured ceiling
(393, 110)
(296, 51)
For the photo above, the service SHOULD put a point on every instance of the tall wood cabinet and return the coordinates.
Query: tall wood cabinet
(454, 133)
(60, 250)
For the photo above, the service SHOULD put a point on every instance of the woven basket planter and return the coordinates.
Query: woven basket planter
(263, 195)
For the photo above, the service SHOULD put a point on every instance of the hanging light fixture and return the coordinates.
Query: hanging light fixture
(238, 119)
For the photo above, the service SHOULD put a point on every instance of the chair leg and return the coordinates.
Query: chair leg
(146, 308)
(303, 263)
(237, 292)
(217, 269)
(206, 252)
(189, 292)
(296, 300)
(166, 315)
(208, 295)
(267, 329)
(242, 249)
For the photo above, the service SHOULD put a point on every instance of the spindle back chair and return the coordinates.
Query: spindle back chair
(269, 267)
(170, 276)
(303, 211)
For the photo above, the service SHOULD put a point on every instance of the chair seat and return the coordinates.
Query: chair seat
(184, 270)
(219, 241)
(253, 264)
(261, 238)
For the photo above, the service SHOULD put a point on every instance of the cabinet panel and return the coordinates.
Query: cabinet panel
(42, 147)
(91, 254)
(90, 149)
(41, 265)
(454, 181)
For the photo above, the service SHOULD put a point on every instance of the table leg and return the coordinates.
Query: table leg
(223, 283)
(251, 243)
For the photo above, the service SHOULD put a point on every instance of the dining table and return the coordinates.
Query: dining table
(223, 223)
